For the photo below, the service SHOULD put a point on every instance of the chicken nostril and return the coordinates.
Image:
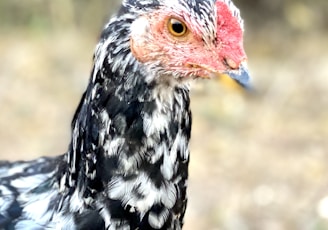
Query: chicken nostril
(230, 63)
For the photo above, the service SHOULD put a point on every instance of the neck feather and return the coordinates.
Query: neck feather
(130, 134)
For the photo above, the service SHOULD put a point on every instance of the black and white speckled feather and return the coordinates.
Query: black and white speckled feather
(127, 164)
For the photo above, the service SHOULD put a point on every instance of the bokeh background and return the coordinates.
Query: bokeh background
(259, 161)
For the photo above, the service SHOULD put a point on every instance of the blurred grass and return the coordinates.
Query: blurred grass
(258, 160)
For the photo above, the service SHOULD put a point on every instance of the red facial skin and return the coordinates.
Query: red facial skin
(189, 55)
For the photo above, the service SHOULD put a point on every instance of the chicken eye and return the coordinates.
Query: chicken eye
(176, 27)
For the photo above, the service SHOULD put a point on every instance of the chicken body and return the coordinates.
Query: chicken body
(127, 164)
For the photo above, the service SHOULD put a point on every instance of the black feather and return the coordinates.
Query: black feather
(127, 164)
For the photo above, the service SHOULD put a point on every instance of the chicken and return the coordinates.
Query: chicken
(127, 163)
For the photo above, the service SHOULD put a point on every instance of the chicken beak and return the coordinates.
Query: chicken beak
(240, 75)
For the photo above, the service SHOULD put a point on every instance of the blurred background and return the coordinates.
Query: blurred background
(259, 161)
